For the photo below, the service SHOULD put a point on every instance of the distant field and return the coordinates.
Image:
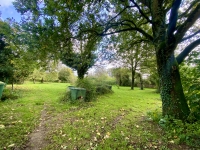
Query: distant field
(38, 119)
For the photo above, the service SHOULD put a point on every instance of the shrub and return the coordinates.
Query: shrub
(90, 88)
(66, 97)
(65, 75)
(9, 94)
(191, 84)
(104, 89)
(177, 131)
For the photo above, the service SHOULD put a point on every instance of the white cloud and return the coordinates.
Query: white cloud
(6, 3)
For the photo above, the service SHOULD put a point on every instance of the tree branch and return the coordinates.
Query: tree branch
(186, 51)
(141, 12)
(190, 36)
(146, 3)
(173, 18)
(149, 37)
(119, 14)
(192, 17)
(191, 6)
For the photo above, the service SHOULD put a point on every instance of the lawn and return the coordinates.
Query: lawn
(39, 119)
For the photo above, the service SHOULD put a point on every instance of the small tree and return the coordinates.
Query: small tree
(65, 75)
(122, 76)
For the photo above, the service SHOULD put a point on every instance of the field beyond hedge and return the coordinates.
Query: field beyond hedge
(38, 119)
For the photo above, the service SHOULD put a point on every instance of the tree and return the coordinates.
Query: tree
(122, 76)
(6, 54)
(65, 75)
(81, 57)
(132, 52)
(17, 63)
(168, 26)
(165, 24)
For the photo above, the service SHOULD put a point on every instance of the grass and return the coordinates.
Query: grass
(115, 121)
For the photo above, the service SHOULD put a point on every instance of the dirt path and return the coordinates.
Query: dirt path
(37, 137)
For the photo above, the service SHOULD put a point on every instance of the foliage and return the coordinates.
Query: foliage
(65, 75)
(90, 88)
(155, 115)
(17, 62)
(191, 83)
(9, 94)
(102, 76)
(122, 76)
(177, 131)
(6, 53)
(51, 76)
(133, 53)
(81, 58)
(104, 89)
(37, 75)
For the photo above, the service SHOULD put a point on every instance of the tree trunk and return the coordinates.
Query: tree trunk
(33, 80)
(80, 73)
(42, 80)
(133, 79)
(12, 86)
(171, 90)
(141, 82)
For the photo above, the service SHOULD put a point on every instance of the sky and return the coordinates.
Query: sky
(8, 10)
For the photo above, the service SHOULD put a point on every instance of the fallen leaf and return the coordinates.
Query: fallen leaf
(2, 126)
(108, 133)
(98, 133)
(95, 139)
(137, 126)
(172, 142)
(11, 145)
(106, 136)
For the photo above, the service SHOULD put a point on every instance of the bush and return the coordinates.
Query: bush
(9, 94)
(66, 97)
(65, 75)
(90, 88)
(190, 78)
(104, 89)
(177, 131)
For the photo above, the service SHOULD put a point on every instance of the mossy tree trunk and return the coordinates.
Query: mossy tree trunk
(171, 90)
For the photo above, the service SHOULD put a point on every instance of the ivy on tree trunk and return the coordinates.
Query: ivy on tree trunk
(171, 90)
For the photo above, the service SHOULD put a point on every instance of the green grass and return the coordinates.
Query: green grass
(114, 121)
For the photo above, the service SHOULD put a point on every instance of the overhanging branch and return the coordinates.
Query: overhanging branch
(149, 37)
(191, 19)
(190, 36)
(186, 51)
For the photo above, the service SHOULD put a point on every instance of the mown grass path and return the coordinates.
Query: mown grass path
(39, 120)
